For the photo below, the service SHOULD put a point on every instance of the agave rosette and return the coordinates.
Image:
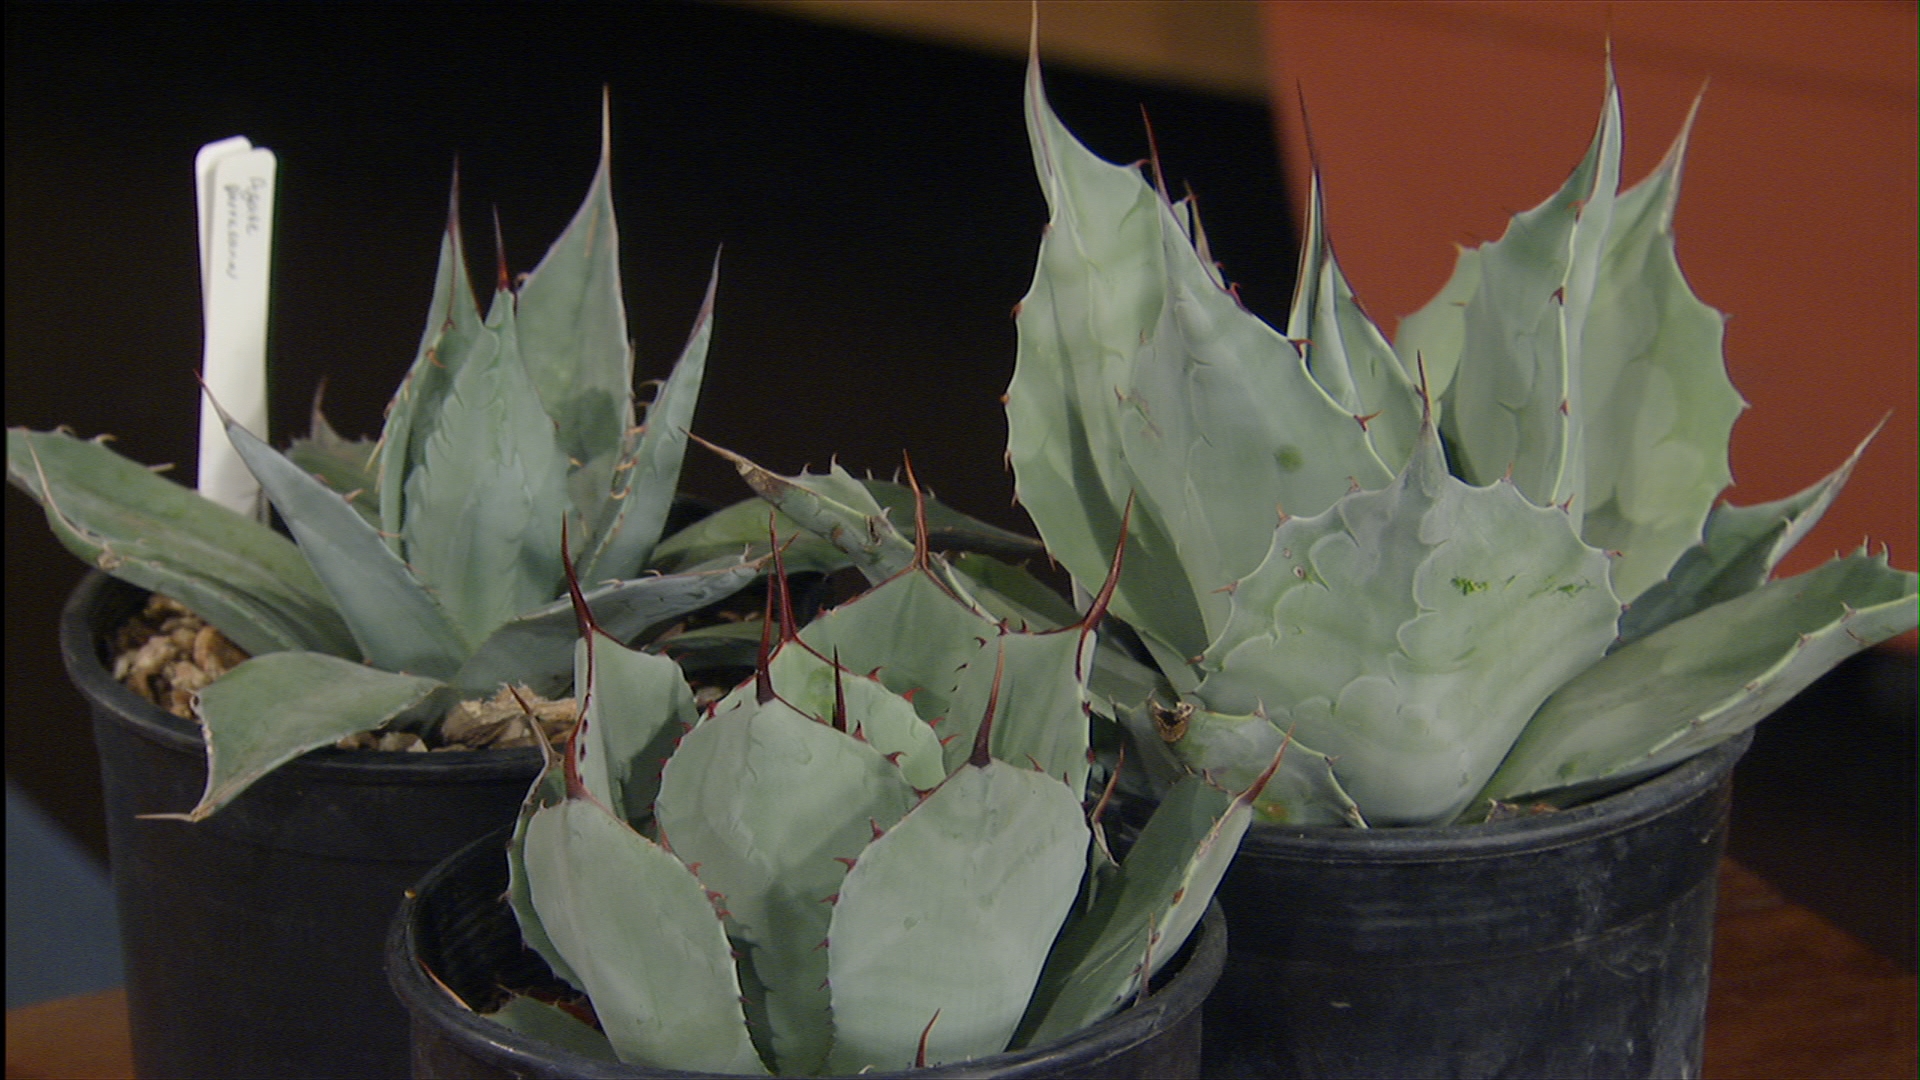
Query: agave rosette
(872, 854)
(426, 566)
(1483, 562)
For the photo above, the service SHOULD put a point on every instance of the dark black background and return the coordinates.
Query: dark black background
(879, 217)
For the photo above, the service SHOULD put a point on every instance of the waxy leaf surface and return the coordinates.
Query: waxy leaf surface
(399, 626)
(766, 800)
(645, 482)
(244, 578)
(486, 503)
(637, 929)
(273, 708)
(1143, 914)
(1707, 677)
(1741, 546)
(1139, 374)
(952, 913)
(1410, 634)
(573, 339)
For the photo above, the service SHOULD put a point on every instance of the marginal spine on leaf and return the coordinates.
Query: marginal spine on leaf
(505, 282)
(922, 553)
(1153, 156)
(920, 1054)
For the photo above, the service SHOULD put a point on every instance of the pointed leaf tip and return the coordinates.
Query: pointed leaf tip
(504, 280)
(981, 756)
(922, 551)
(920, 1054)
(582, 613)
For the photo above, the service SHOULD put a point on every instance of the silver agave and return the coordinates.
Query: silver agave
(873, 854)
(1480, 563)
(428, 565)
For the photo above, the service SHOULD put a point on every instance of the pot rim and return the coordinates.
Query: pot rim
(424, 997)
(80, 641)
(1643, 801)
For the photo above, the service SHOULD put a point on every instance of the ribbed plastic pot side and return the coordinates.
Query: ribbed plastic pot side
(1575, 943)
(253, 939)
(457, 924)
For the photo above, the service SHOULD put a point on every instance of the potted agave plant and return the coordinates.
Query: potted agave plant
(424, 570)
(1478, 575)
(870, 857)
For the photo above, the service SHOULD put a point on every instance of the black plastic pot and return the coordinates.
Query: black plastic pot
(457, 924)
(1572, 944)
(253, 939)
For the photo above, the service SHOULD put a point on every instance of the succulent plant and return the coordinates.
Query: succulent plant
(1414, 555)
(428, 565)
(872, 854)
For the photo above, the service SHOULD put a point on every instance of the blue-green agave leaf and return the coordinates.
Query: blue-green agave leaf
(836, 506)
(743, 527)
(1657, 405)
(1741, 546)
(811, 683)
(720, 645)
(1706, 677)
(1011, 594)
(1151, 767)
(741, 530)
(1143, 914)
(773, 805)
(949, 529)
(1345, 352)
(573, 340)
(273, 708)
(913, 633)
(549, 789)
(1230, 750)
(1432, 338)
(1036, 683)
(635, 707)
(536, 649)
(942, 925)
(1423, 622)
(1517, 406)
(453, 325)
(345, 465)
(552, 1024)
(398, 625)
(644, 483)
(638, 931)
(486, 504)
(1139, 375)
(244, 578)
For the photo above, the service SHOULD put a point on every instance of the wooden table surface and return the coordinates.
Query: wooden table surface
(1792, 997)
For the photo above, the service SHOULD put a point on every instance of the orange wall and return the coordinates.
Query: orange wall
(1434, 121)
